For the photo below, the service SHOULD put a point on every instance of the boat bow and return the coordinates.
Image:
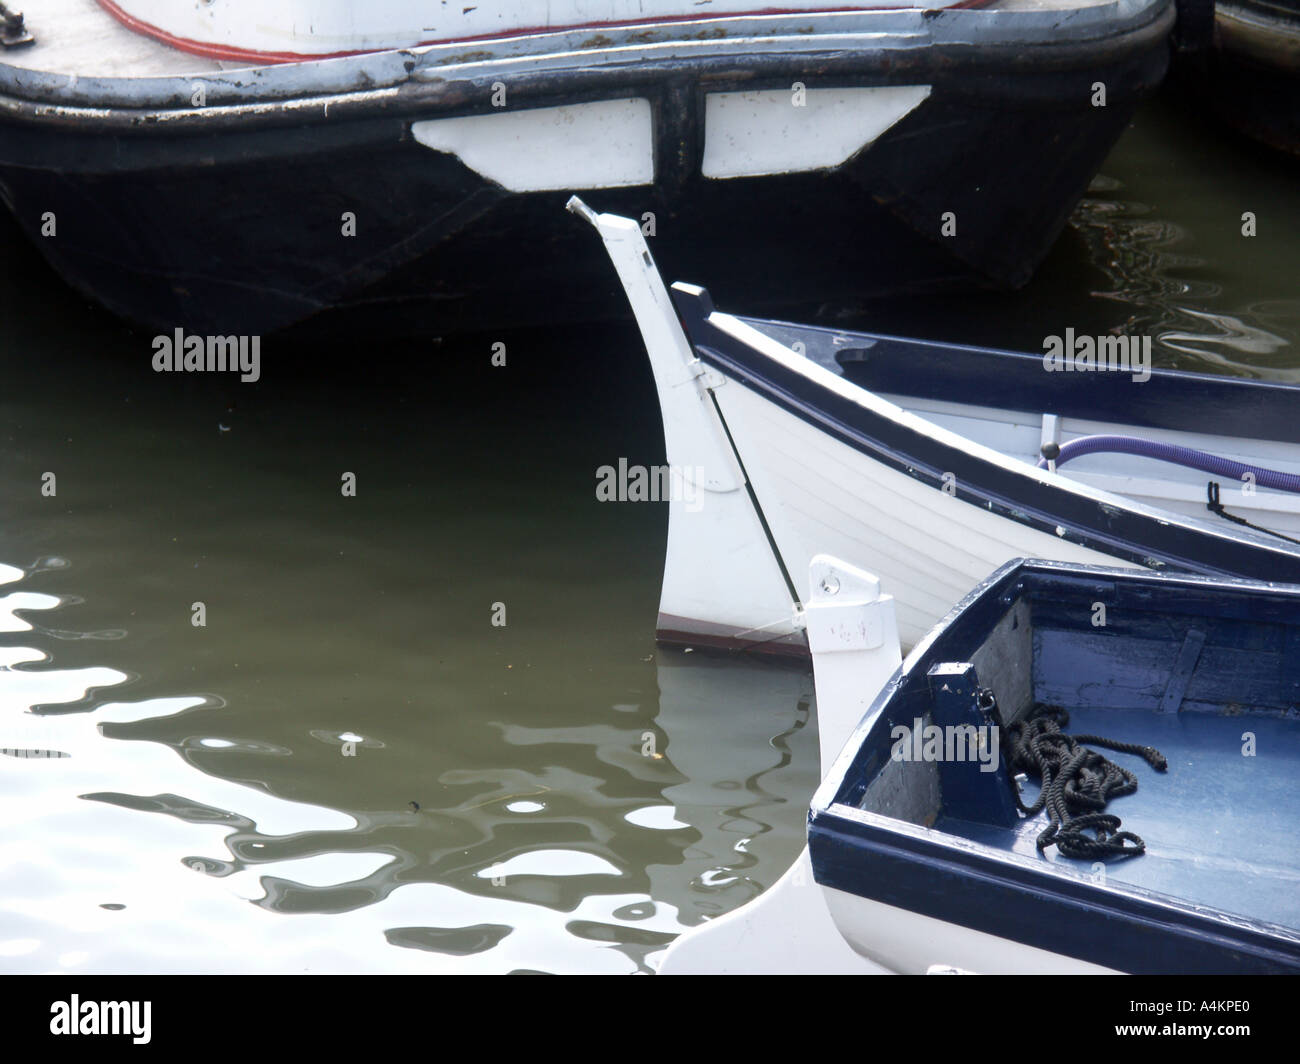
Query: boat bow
(718, 548)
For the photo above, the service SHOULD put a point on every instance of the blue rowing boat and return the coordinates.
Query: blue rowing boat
(928, 836)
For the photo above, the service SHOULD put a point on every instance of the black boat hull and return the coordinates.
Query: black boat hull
(229, 218)
(1250, 78)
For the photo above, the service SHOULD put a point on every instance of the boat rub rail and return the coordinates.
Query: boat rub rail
(944, 48)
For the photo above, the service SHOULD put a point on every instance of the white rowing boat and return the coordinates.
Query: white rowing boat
(923, 463)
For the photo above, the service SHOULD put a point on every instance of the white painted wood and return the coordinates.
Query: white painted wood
(323, 27)
(787, 930)
(853, 637)
(720, 570)
(608, 144)
(748, 134)
(1051, 434)
(911, 944)
(927, 548)
(1163, 485)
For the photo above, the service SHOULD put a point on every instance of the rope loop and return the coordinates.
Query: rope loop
(1077, 784)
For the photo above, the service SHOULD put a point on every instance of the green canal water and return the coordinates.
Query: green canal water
(349, 767)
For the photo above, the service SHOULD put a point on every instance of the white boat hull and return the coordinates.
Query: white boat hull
(912, 944)
(819, 496)
(788, 458)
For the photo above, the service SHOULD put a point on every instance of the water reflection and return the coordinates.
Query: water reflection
(1235, 335)
(1206, 267)
(570, 847)
(347, 770)
(1157, 284)
(1158, 248)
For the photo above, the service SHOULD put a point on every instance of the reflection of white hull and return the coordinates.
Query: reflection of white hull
(789, 929)
(749, 815)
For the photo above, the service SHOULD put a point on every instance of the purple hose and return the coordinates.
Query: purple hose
(1183, 456)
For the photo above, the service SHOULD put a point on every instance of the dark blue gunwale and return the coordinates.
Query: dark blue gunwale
(975, 886)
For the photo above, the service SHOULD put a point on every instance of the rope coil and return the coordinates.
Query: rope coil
(1077, 784)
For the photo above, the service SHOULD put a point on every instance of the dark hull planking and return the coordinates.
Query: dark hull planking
(230, 223)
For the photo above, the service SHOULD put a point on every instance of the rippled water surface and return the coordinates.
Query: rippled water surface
(1157, 248)
(349, 768)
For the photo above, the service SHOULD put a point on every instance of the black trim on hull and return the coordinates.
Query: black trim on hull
(1173, 400)
(1035, 909)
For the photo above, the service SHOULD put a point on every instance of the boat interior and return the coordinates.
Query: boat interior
(1208, 675)
(1254, 423)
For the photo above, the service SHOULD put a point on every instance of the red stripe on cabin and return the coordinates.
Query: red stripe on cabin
(231, 53)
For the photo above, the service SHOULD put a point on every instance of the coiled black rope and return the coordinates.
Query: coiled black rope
(1077, 784)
